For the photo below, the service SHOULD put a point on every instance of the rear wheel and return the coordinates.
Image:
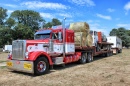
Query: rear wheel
(83, 58)
(89, 57)
(120, 51)
(41, 66)
(107, 54)
(117, 51)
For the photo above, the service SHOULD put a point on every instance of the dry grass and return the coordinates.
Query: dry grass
(3, 56)
(110, 71)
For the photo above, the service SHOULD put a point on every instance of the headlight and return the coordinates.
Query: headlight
(26, 55)
(10, 55)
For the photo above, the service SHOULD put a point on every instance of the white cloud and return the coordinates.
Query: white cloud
(38, 4)
(110, 10)
(97, 27)
(66, 15)
(83, 2)
(127, 26)
(10, 5)
(92, 21)
(47, 15)
(127, 7)
(104, 16)
(10, 11)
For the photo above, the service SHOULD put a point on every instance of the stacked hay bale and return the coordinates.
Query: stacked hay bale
(82, 35)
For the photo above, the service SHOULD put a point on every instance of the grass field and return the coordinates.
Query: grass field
(108, 71)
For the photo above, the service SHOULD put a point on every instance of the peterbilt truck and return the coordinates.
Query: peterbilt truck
(52, 47)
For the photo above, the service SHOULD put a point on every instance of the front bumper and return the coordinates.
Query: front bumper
(18, 65)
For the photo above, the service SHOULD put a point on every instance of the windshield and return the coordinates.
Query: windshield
(42, 36)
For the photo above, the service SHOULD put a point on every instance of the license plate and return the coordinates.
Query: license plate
(9, 64)
(27, 66)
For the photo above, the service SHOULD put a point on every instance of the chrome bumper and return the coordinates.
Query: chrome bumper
(23, 66)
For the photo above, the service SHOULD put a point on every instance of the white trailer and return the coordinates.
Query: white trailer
(117, 44)
(7, 48)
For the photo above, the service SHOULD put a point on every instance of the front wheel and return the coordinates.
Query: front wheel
(41, 66)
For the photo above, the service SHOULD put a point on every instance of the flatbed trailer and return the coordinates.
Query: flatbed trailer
(105, 49)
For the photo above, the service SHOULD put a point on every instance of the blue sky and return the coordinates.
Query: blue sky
(101, 15)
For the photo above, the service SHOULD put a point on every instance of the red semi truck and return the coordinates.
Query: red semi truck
(52, 47)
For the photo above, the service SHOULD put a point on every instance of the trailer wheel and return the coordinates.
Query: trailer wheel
(107, 54)
(120, 51)
(89, 57)
(41, 66)
(111, 53)
(83, 58)
(117, 51)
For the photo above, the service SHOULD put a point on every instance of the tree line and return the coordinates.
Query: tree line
(21, 24)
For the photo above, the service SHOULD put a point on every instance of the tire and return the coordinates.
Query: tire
(89, 58)
(83, 58)
(111, 53)
(120, 51)
(41, 66)
(117, 51)
(107, 54)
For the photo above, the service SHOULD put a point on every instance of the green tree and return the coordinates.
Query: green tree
(48, 25)
(10, 22)
(54, 22)
(29, 18)
(23, 32)
(128, 32)
(121, 32)
(6, 36)
(127, 41)
(3, 15)
(113, 32)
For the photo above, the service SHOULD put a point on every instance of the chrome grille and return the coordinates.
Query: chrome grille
(18, 49)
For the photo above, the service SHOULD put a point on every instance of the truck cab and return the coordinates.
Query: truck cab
(95, 37)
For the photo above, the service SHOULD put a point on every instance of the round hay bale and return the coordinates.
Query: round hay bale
(79, 27)
(80, 38)
(89, 40)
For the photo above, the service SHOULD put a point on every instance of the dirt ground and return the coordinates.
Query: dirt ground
(110, 71)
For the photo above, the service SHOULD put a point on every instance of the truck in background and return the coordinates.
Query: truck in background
(57, 46)
(7, 48)
(117, 44)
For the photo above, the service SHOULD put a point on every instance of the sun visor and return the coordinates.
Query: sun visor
(43, 32)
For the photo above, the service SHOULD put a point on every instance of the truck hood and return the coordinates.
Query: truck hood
(37, 45)
(37, 41)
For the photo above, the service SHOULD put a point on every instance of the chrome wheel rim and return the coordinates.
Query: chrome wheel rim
(41, 66)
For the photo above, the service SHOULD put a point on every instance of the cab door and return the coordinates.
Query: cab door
(58, 43)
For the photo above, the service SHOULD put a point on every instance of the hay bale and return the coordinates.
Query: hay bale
(89, 40)
(80, 38)
(79, 27)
